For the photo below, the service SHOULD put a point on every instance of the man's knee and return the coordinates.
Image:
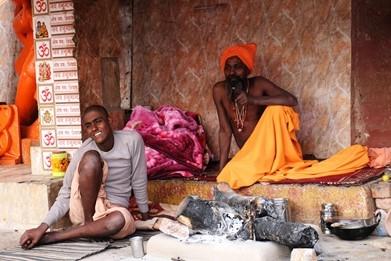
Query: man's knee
(115, 222)
(90, 163)
(278, 110)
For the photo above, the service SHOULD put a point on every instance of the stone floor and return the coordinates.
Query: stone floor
(372, 248)
(332, 249)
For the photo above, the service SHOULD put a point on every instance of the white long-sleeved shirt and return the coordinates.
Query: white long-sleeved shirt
(127, 172)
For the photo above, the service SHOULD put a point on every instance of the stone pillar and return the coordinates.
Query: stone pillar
(7, 53)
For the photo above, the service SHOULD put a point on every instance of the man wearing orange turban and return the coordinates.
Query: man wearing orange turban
(245, 52)
(260, 116)
(240, 101)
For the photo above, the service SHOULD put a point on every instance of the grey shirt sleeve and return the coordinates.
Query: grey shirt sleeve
(139, 173)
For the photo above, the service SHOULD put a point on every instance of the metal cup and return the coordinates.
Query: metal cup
(136, 243)
(328, 213)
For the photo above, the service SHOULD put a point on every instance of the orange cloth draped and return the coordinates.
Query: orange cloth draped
(273, 153)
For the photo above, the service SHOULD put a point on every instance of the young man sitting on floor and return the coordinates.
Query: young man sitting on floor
(101, 176)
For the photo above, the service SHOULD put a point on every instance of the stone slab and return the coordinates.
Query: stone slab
(303, 254)
(23, 205)
(304, 200)
(369, 249)
(381, 189)
(383, 203)
(25, 199)
(170, 248)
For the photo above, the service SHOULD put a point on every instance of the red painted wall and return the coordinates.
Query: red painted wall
(371, 72)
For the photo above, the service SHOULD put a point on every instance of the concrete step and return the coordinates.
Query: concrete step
(304, 200)
(25, 198)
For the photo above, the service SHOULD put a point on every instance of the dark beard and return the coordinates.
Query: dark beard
(236, 85)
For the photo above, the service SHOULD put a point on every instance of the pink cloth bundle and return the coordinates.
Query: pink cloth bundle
(175, 141)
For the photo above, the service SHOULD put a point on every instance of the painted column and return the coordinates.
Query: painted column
(56, 77)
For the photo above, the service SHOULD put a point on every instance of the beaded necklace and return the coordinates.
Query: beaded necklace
(241, 112)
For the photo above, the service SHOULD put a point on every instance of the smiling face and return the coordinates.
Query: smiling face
(96, 125)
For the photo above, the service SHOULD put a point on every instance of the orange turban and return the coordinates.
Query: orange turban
(245, 52)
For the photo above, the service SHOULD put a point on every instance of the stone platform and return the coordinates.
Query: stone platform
(26, 198)
(304, 200)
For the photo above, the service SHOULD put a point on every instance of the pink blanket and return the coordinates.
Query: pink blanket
(175, 141)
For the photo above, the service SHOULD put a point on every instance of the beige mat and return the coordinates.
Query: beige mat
(72, 250)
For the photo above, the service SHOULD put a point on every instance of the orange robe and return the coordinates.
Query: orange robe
(273, 153)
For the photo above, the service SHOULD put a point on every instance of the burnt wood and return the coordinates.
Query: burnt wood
(213, 217)
(243, 217)
(295, 235)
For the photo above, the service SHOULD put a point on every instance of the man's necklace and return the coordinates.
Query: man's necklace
(240, 116)
(241, 112)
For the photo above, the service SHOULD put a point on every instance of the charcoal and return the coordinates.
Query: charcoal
(244, 217)
(213, 217)
(295, 235)
(249, 206)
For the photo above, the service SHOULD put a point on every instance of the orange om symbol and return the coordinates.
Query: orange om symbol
(40, 6)
(43, 50)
